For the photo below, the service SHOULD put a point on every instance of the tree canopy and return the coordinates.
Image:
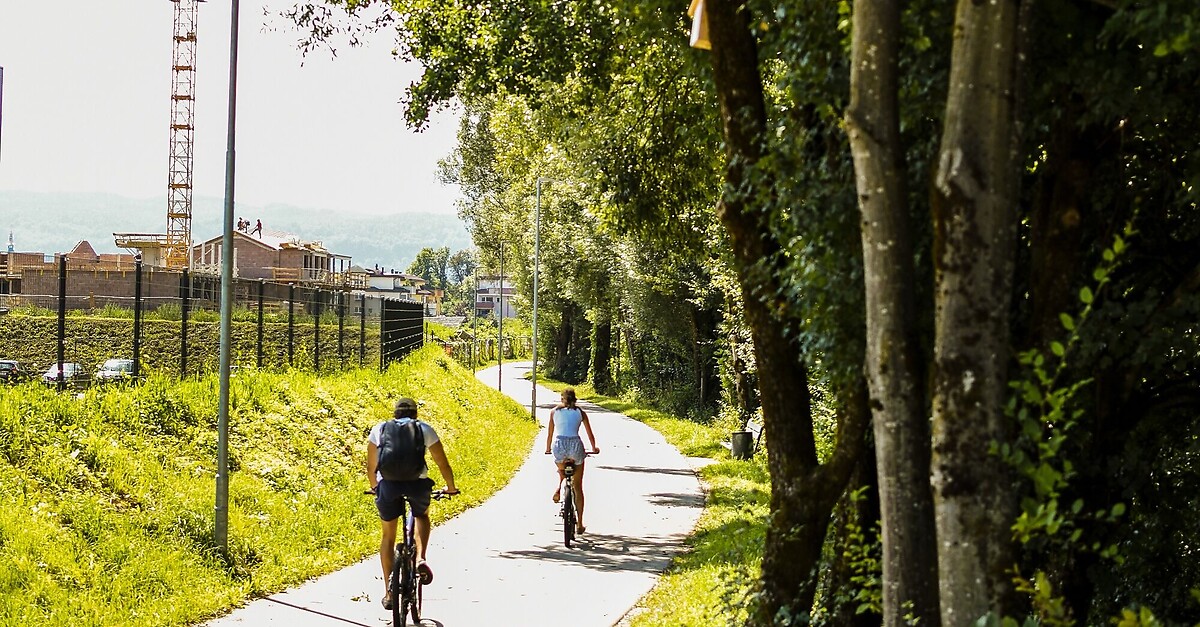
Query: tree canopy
(974, 231)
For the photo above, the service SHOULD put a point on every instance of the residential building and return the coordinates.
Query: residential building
(490, 298)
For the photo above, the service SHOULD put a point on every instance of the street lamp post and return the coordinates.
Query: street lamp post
(221, 524)
(537, 242)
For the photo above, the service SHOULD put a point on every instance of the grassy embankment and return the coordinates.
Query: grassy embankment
(707, 584)
(107, 497)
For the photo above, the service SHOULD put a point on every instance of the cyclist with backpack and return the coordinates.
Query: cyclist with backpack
(563, 441)
(397, 472)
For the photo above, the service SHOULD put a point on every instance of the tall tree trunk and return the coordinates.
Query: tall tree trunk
(803, 492)
(562, 342)
(601, 355)
(894, 362)
(974, 203)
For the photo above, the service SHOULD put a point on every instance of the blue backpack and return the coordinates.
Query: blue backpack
(401, 450)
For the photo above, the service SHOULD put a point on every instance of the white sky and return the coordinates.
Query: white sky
(87, 87)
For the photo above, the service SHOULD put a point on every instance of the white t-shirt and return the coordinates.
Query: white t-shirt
(431, 438)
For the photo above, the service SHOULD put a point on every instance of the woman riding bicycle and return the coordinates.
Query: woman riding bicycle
(563, 441)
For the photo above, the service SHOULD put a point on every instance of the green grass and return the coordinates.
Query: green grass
(107, 497)
(708, 584)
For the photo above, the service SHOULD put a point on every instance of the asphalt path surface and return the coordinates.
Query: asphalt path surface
(504, 562)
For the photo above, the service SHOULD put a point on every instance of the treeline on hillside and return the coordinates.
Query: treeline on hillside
(971, 236)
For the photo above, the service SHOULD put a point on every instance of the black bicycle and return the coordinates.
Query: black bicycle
(404, 583)
(567, 489)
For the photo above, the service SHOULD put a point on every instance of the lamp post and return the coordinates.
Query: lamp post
(221, 525)
(537, 243)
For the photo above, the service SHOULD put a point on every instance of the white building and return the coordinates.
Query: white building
(488, 297)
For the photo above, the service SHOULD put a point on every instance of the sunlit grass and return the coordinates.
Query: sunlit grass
(107, 497)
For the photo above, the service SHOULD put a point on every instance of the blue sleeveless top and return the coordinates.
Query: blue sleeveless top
(567, 421)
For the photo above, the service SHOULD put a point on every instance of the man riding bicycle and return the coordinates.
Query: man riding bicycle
(390, 495)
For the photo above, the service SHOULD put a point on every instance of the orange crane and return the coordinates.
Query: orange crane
(183, 100)
(171, 250)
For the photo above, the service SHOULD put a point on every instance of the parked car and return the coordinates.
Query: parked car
(73, 373)
(13, 372)
(115, 370)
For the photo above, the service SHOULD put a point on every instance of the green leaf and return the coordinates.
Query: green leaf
(1086, 296)
(1162, 49)
(1057, 348)
(1109, 255)
(1099, 274)
(1118, 510)
(1118, 245)
(1067, 321)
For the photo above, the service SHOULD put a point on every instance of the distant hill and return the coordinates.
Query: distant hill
(55, 222)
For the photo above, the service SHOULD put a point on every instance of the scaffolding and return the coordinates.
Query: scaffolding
(183, 98)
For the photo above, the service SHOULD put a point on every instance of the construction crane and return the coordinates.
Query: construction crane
(171, 250)
(183, 100)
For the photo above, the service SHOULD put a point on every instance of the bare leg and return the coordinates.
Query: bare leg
(421, 537)
(579, 494)
(387, 548)
(561, 477)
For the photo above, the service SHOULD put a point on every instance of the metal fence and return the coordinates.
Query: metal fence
(169, 320)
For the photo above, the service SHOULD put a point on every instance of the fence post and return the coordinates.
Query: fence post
(341, 308)
(137, 316)
(185, 293)
(362, 330)
(62, 321)
(261, 286)
(317, 331)
(291, 321)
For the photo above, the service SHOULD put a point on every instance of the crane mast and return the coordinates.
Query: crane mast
(183, 100)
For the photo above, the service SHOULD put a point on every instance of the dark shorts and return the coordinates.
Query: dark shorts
(389, 498)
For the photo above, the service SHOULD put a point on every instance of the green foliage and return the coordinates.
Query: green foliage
(106, 498)
(1042, 405)
(865, 556)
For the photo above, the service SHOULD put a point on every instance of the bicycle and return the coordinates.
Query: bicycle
(567, 510)
(404, 584)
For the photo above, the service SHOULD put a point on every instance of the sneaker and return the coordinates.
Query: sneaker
(425, 572)
(387, 601)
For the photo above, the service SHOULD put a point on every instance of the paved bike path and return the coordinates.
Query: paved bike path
(503, 562)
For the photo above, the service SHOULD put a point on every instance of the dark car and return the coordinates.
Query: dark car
(73, 374)
(13, 372)
(115, 370)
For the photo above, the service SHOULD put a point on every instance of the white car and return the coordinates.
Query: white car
(115, 370)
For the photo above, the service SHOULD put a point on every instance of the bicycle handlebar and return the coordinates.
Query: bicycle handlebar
(436, 495)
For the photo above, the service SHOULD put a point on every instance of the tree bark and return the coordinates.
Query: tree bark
(894, 362)
(803, 492)
(601, 355)
(974, 203)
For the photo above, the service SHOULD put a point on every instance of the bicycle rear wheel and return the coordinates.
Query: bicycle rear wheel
(415, 610)
(396, 585)
(407, 585)
(568, 512)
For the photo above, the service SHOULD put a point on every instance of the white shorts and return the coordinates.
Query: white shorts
(567, 447)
